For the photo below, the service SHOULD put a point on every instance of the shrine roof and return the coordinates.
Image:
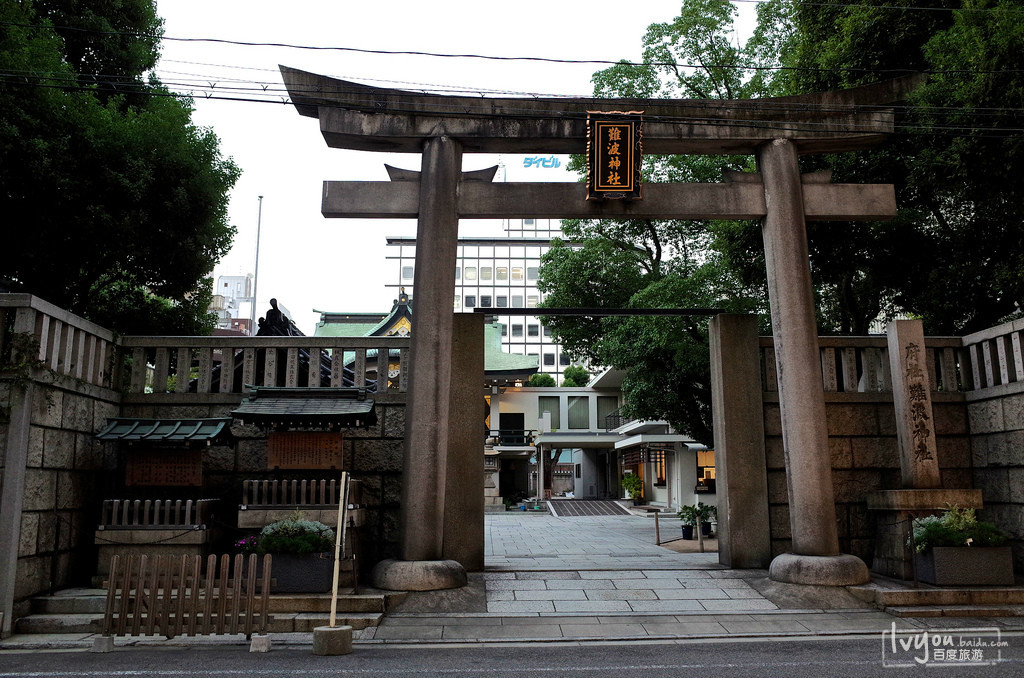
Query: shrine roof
(498, 364)
(326, 408)
(181, 431)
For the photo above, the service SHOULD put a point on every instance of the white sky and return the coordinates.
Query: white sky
(307, 261)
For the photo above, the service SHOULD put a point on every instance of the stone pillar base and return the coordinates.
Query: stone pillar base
(841, 570)
(330, 641)
(418, 575)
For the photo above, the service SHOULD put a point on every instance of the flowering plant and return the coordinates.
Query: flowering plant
(290, 535)
(955, 527)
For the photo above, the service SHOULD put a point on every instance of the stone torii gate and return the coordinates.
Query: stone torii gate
(442, 128)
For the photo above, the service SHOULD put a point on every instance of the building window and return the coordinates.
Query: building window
(485, 272)
(547, 331)
(563, 360)
(517, 272)
(502, 301)
(579, 412)
(549, 358)
(502, 273)
(517, 301)
(485, 301)
(458, 272)
(407, 272)
(504, 331)
(458, 301)
(531, 301)
(517, 330)
(528, 222)
(531, 272)
(605, 406)
(533, 331)
(549, 404)
(470, 300)
(471, 273)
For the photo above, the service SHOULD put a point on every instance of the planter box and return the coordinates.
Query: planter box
(965, 566)
(313, 573)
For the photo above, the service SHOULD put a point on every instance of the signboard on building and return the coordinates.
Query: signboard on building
(164, 468)
(305, 450)
(614, 154)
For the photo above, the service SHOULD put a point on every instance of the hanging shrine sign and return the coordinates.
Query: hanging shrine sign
(614, 153)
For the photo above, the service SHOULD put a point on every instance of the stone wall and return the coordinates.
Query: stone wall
(996, 417)
(65, 474)
(865, 458)
(373, 456)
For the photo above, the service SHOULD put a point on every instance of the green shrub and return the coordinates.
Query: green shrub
(291, 535)
(955, 527)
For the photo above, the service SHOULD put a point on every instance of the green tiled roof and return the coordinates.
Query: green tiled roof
(307, 407)
(343, 329)
(171, 431)
(498, 363)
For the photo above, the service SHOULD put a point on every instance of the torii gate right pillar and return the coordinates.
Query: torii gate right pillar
(815, 556)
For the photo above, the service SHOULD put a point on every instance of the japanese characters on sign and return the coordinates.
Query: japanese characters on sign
(614, 153)
(917, 393)
(304, 450)
(170, 468)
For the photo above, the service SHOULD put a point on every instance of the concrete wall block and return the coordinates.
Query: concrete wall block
(775, 454)
(772, 419)
(875, 452)
(40, 490)
(778, 519)
(950, 418)
(33, 576)
(1015, 479)
(1013, 412)
(36, 437)
(48, 407)
(851, 419)
(979, 450)
(378, 456)
(841, 452)
(994, 484)
(47, 532)
(853, 485)
(29, 534)
(78, 413)
(1006, 449)
(953, 451)
(778, 491)
(58, 449)
(219, 458)
(985, 416)
(72, 490)
(394, 421)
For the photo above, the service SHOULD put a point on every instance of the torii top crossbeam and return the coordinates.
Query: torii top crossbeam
(367, 118)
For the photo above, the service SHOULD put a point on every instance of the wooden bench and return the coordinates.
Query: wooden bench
(153, 527)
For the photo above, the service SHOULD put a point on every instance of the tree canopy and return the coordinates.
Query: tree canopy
(117, 202)
(952, 256)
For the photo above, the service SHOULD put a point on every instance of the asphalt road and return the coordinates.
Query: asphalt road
(811, 658)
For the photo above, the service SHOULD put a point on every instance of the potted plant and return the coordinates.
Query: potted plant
(303, 554)
(956, 549)
(706, 513)
(688, 516)
(634, 485)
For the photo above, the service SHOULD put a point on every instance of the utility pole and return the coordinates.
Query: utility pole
(256, 270)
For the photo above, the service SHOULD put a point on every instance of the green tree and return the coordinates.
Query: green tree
(541, 379)
(121, 200)
(574, 376)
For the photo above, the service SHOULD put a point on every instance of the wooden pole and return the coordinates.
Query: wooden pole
(339, 536)
(657, 529)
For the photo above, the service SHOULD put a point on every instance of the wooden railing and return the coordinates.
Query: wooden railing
(230, 364)
(297, 493)
(172, 596)
(994, 356)
(861, 364)
(35, 332)
(135, 514)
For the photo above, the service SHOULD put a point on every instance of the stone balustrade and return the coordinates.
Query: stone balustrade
(994, 356)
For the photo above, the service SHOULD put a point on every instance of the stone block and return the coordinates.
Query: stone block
(876, 452)
(101, 411)
(394, 422)
(778, 519)
(29, 538)
(985, 416)
(219, 458)
(48, 407)
(885, 414)
(375, 431)
(1015, 479)
(243, 431)
(775, 454)
(47, 532)
(78, 413)
(772, 420)
(72, 490)
(778, 491)
(33, 576)
(1005, 448)
(252, 456)
(853, 485)
(377, 455)
(36, 437)
(956, 478)
(994, 484)
(979, 450)
(950, 418)
(184, 412)
(88, 452)
(953, 451)
(392, 490)
(841, 452)
(851, 419)
(40, 490)
(1013, 412)
(58, 449)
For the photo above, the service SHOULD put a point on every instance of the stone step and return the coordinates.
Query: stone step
(305, 622)
(286, 622)
(72, 601)
(314, 602)
(60, 623)
(916, 597)
(956, 611)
